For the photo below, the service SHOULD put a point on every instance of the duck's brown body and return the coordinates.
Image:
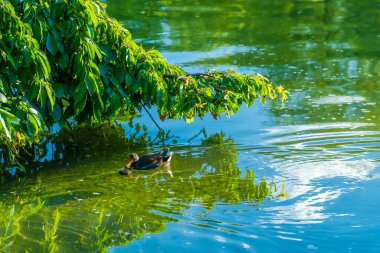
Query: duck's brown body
(147, 162)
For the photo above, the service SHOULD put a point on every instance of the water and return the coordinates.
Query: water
(323, 148)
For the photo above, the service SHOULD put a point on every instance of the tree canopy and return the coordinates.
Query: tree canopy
(67, 61)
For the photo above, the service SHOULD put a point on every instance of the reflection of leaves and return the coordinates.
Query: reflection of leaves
(50, 244)
(101, 235)
(218, 138)
(92, 139)
(83, 141)
(15, 216)
(133, 207)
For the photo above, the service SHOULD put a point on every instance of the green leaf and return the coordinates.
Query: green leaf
(38, 30)
(80, 104)
(50, 93)
(58, 41)
(37, 116)
(51, 44)
(103, 70)
(31, 125)
(59, 90)
(3, 98)
(115, 103)
(97, 106)
(8, 54)
(26, 55)
(80, 92)
(128, 79)
(63, 61)
(78, 65)
(80, 97)
(131, 61)
(91, 84)
(44, 63)
(162, 100)
(10, 58)
(94, 69)
(56, 113)
(5, 127)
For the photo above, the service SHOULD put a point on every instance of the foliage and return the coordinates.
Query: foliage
(67, 62)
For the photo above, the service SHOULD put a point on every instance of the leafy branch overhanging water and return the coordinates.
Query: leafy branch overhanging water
(68, 62)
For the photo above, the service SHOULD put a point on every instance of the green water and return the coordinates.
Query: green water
(323, 148)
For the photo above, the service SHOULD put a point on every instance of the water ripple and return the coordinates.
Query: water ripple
(324, 141)
(334, 99)
(319, 126)
(318, 163)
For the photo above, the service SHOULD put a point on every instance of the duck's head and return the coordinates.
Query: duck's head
(133, 158)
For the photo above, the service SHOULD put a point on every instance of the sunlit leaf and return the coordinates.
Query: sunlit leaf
(31, 125)
(4, 127)
(189, 120)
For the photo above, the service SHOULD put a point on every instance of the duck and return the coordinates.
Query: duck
(147, 162)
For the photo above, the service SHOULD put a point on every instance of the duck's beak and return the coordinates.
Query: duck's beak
(130, 161)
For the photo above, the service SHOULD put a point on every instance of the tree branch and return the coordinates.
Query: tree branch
(151, 117)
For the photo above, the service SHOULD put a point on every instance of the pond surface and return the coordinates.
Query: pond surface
(302, 179)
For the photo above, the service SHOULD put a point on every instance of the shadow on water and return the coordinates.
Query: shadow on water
(81, 144)
(98, 208)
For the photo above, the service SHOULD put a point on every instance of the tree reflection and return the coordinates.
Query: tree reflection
(80, 144)
(99, 208)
